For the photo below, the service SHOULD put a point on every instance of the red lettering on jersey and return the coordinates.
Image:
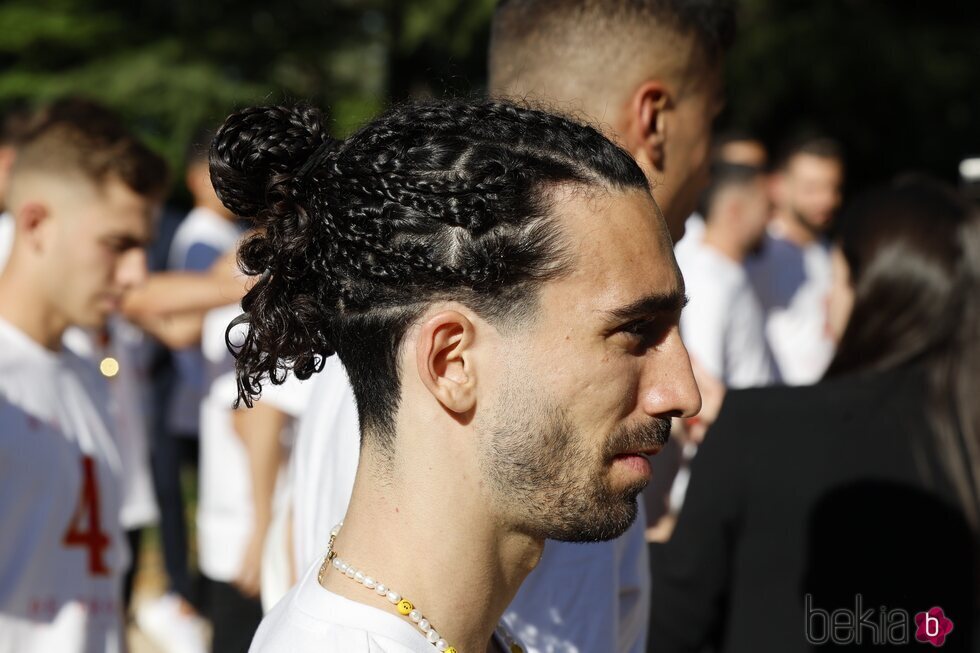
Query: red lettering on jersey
(86, 526)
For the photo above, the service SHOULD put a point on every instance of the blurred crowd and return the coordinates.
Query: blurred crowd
(833, 336)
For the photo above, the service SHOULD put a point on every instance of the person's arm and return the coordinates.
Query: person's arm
(166, 293)
(175, 331)
(259, 428)
(690, 574)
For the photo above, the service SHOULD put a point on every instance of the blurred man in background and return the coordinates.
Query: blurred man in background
(82, 201)
(204, 235)
(649, 73)
(791, 274)
(731, 147)
(723, 324)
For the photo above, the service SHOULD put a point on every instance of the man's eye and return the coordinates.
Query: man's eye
(645, 333)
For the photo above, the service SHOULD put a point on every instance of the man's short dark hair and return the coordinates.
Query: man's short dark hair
(817, 145)
(519, 26)
(727, 175)
(80, 136)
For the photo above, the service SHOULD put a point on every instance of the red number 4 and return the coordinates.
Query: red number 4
(86, 527)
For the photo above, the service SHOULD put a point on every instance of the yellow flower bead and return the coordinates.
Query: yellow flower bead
(451, 649)
(404, 606)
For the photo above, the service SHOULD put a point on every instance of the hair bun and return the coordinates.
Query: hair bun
(258, 150)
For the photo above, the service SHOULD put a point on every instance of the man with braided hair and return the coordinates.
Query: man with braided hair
(501, 290)
(649, 72)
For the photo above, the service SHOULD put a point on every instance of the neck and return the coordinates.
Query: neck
(793, 230)
(724, 244)
(19, 305)
(423, 529)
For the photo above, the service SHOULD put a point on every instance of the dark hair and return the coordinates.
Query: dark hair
(816, 145)
(913, 250)
(725, 175)
(15, 125)
(84, 136)
(712, 22)
(443, 200)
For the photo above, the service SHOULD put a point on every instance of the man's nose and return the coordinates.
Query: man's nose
(669, 388)
(131, 270)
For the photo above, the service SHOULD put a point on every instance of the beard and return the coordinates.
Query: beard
(545, 474)
(815, 226)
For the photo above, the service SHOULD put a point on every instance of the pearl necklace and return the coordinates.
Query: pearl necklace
(405, 607)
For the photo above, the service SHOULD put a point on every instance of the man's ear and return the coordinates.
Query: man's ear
(647, 129)
(444, 363)
(32, 220)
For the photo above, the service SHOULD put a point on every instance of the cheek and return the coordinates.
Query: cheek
(601, 395)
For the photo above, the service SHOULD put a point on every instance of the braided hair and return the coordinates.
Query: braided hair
(354, 238)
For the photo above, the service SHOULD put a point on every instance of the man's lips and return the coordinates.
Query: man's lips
(638, 461)
(652, 450)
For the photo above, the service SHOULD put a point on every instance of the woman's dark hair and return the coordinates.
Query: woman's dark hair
(913, 250)
(443, 200)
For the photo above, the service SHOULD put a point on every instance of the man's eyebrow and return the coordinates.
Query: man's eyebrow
(649, 306)
(126, 240)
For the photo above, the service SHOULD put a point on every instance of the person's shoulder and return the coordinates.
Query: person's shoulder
(707, 271)
(310, 619)
(760, 409)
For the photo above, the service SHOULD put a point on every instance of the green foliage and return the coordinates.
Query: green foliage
(173, 66)
(896, 81)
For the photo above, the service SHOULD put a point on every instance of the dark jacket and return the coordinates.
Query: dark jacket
(806, 501)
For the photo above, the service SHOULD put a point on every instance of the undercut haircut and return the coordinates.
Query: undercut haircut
(81, 137)
(356, 238)
(576, 39)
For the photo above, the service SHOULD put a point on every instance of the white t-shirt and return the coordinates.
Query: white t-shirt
(6, 238)
(225, 515)
(311, 619)
(723, 325)
(200, 239)
(324, 461)
(62, 550)
(128, 397)
(792, 285)
(581, 597)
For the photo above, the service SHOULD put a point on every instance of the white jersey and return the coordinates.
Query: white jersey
(6, 238)
(311, 619)
(581, 597)
(723, 326)
(225, 515)
(128, 403)
(62, 552)
(792, 284)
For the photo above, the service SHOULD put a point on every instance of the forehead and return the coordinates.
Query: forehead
(114, 207)
(621, 252)
(804, 164)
